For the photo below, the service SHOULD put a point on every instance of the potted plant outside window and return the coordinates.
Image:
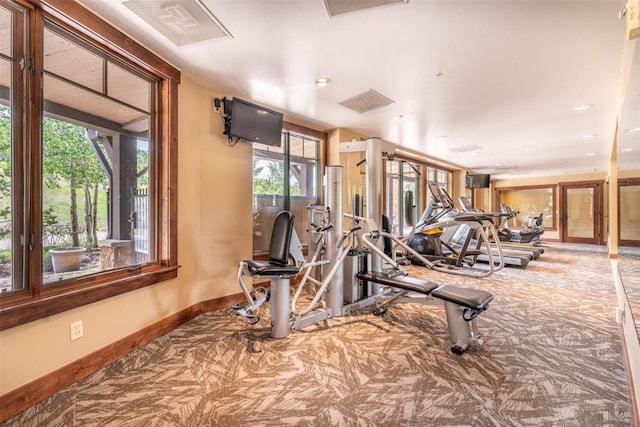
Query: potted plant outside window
(66, 259)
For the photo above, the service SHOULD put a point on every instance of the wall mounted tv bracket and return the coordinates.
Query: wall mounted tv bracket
(226, 113)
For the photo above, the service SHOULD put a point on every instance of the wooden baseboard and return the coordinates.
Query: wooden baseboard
(36, 391)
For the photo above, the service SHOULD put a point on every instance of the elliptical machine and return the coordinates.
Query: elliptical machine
(431, 238)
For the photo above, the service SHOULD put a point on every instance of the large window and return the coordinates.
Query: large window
(440, 177)
(403, 195)
(95, 161)
(285, 177)
(406, 193)
(86, 214)
(13, 21)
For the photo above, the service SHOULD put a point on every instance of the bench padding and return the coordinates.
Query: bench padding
(400, 282)
(268, 268)
(471, 298)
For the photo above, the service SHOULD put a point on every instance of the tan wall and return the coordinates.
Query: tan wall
(635, 173)
(481, 199)
(554, 180)
(457, 187)
(214, 233)
(336, 136)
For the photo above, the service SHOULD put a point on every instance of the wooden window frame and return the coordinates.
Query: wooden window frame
(37, 302)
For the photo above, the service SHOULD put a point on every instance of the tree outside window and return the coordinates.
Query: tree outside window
(87, 158)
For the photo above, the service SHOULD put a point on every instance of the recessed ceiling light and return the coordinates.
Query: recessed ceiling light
(441, 137)
(591, 154)
(582, 107)
(593, 135)
(625, 150)
(323, 82)
(633, 130)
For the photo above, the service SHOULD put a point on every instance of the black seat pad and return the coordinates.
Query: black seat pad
(400, 282)
(268, 268)
(471, 298)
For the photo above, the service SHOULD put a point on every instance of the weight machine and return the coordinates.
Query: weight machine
(348, 270)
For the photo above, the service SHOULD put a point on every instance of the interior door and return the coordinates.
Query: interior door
(629, 212)
(581, 212)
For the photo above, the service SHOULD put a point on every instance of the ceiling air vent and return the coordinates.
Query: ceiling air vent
(181, 21)
(341, 7)
(465, 148)
(366, 101)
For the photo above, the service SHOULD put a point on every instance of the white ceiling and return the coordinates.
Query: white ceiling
(501, 75)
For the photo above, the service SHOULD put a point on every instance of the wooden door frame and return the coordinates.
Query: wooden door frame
(624, 183)
(598, 205)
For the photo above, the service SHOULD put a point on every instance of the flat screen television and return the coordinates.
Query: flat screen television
(477, 180)
(253, 123)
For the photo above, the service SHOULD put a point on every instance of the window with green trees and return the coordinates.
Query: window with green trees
(86, 162)
(284, 178)
(94, 123)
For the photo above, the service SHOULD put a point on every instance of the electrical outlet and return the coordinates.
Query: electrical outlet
(76, 330)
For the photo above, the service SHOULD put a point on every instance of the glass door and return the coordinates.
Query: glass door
(628, 212)
(581, 212)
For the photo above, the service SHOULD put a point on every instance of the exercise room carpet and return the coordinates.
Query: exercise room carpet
(552, 356)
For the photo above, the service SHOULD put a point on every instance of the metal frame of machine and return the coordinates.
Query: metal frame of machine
(349, 271)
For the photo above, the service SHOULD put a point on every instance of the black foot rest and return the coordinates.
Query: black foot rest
(471, 298)
(471, 217)
(268, 268)
(400, 282)
(472, 252)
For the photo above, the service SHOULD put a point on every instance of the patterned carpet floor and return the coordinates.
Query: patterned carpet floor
(552, 356)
